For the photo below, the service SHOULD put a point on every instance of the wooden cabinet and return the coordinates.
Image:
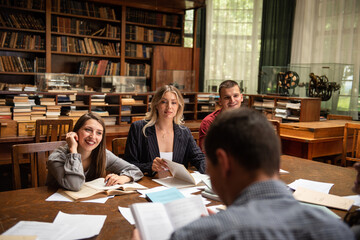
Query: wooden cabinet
(286, 109)
(83, 37)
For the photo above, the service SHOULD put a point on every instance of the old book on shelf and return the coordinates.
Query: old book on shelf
(96, 189)
(158, 220)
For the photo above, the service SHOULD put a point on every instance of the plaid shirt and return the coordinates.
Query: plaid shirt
(266, 210)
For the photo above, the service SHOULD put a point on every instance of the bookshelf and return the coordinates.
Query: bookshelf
(286, 109)
(83, 37)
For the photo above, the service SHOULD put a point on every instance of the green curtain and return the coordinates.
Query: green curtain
(201, 44)
(276, 33)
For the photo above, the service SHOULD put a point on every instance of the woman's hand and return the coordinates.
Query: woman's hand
(159, 165)
(72, 140)
(112, 179)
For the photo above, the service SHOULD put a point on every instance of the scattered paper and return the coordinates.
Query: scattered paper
(356, 199)
(43, 230)
(312, 185)
(324, 199)
(86, 225)
(281, 171)
(61, 198)
(216, 208)
(155, 189)
(322, 208)
(126, 212)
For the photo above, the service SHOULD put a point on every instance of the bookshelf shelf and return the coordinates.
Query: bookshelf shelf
(137, 58)
(85, 17)
(19, 73)
(22, 30)
(153, 43)
(153, 26)
(85, 36)
(85, 55)
(22, 50)
(22, 9)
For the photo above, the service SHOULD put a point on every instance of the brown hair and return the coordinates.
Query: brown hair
(98, 155)
(227, 84)
(152, 116)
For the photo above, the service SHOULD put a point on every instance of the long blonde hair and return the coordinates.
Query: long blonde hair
(152, 116)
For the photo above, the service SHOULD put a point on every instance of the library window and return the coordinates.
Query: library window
(189, 28)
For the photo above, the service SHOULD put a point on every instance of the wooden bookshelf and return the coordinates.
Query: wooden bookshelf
(70, 22)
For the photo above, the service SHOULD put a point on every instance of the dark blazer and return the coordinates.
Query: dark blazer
(141, 150)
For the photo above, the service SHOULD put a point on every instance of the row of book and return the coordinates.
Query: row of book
(137, 50)
(29, 4)
(153, 18)
(83, 8)
(151, 35)
(84, 46)
(82, 27)
(20, 64)
(100, 67)
(21, 40)
(141, 69)
(21, 20)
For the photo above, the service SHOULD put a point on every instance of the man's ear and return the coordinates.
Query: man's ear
(223, 162)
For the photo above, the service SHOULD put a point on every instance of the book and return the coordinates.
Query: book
(96, 189)
(157, 220)
(181, 177)
(208, 192)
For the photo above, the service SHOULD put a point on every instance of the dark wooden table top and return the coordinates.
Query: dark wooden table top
(29, 204)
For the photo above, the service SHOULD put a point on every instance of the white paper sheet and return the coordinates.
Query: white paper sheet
(356, 198)
(44, 230)
(155, 189)
(281, 171)
(60, 198)
(86, 225)
(126, 212)
(312, 185)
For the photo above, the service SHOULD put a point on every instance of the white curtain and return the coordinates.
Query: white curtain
(327, 33)
(232, 43)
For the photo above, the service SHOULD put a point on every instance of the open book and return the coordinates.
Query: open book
(96, 189)
(181, 177)
(157, 221)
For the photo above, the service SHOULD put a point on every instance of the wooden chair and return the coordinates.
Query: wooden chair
(53, 130)
(37, 154)
(137, 118)
(338, 117)
(196, 137)
(118, 146)
(276, 125)
(351, 134)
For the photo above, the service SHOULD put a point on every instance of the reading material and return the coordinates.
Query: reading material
(96, 188)
(157, 221)
(329, 200)
(165, 196)
(181, 177)
(208, 192)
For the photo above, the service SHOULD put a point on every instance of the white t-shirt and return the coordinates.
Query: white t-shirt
(166, 155)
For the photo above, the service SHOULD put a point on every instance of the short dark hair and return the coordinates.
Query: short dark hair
(248, 137)
(227, 84)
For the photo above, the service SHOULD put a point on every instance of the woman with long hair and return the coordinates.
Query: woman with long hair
(162, 135)
(85, 158)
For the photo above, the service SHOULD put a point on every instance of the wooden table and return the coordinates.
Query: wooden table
(29, 204)
(313, 139)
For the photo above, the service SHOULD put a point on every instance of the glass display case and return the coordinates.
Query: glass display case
(59, 82)
(340, 74)
(122, 84)
(184, 80)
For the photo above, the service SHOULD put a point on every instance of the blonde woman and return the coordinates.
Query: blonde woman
(162, 136)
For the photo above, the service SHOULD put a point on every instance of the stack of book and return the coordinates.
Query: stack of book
(98, 100)
(38, 112)
(109, 121)
(22, 108)
(47, 101)
(53, 112)
(5, 112)
(125, 110)
(77, 113)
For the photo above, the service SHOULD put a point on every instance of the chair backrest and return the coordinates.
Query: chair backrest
(351, 138)
(118, 146)
(52, 130)
(35, 153)
(276, 125)
(196, 137)
(338, 117)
